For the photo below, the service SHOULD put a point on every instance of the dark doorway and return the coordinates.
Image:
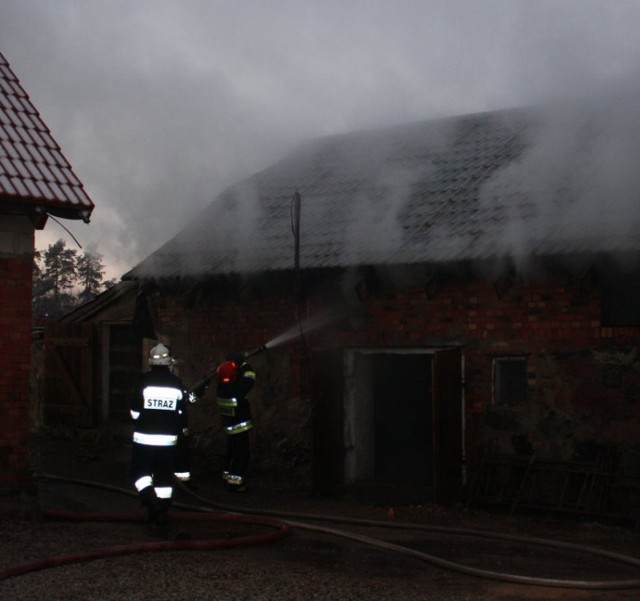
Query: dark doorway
(327, 385)
(403, 419)
(389, 425)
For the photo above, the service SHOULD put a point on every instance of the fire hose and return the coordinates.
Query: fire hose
(282, 528)
(203, 382)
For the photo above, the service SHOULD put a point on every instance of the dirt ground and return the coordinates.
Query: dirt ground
(316, 561)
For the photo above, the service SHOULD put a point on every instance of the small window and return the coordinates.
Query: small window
(621, 300)
(509, 380)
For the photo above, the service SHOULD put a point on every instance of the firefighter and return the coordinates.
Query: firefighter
(235, 378)
(158, 411)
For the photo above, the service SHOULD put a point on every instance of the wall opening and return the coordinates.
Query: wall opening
(403, 424)
(389, 430)
(621, 298)
(509, 382)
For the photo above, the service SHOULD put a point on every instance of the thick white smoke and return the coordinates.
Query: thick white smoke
(577, 185)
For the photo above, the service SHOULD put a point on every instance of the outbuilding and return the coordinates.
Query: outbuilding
(451, 312)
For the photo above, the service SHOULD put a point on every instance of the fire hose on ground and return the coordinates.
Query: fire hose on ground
(281, 529)
(282, 524)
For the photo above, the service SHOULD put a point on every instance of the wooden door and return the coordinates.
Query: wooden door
(69, 390)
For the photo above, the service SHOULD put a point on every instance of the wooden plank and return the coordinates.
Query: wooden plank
(66, 376)
(69, 373)
(76, 342)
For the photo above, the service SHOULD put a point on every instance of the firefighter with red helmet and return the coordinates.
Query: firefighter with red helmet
(235, 379)
(158, 411)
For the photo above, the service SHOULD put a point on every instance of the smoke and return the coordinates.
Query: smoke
(360, 186)
(576, 187)
(196, 95)
(375, 216)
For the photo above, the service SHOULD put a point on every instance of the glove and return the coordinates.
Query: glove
(192, 398)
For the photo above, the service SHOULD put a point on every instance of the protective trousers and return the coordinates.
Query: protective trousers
(182, 466)
(237, 459)
(152, 473)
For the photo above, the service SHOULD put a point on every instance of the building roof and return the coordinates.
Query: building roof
(34, 174)
(462, 188)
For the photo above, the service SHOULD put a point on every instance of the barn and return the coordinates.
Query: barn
(36, 183)
(451, 312)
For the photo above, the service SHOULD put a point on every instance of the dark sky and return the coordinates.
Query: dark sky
(161, 104)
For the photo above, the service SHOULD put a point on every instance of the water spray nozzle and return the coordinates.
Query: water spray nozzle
(260, 349)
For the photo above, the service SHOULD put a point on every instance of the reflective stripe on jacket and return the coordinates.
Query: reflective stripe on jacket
(238, 428)
(155, 440)
(227, 407)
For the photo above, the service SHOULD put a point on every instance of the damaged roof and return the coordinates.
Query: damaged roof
(473, 187)
(34, 174)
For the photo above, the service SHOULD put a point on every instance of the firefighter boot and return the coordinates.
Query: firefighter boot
(150, 500)
(162, 517)
(160, 525)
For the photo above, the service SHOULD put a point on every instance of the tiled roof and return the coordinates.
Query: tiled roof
(427, 192)
(33, 170)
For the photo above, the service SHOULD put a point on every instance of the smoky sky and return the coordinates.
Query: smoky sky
(160, 105)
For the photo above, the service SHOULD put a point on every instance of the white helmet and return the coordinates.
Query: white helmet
(160, 355)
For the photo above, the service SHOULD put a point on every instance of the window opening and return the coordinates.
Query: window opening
(509, 380)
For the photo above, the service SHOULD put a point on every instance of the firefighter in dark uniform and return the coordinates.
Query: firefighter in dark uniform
(236, 378)
(158, 410)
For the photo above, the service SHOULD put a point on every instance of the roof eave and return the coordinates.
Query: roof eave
(38, 211)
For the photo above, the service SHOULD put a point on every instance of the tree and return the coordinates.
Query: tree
(89, 272)
(63, 280)
(40, 283)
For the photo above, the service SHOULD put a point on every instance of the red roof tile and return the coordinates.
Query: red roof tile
(33, 170)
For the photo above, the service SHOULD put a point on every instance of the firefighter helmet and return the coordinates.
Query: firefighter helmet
(160, 355)
(227, 372)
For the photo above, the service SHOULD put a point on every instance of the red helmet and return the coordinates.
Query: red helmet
(227, 372)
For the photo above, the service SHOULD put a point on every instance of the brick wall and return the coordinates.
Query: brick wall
(583, 379)
(15, 350)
